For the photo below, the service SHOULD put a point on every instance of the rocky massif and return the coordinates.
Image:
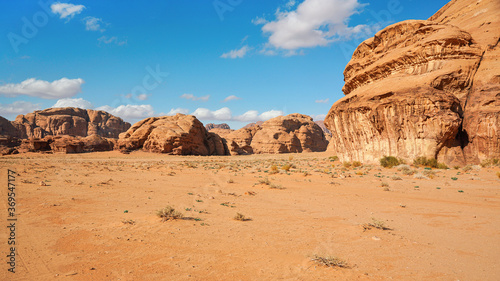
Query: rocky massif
(65, 121)
(70, 130)
(179, 135)
(283, 134)
(424, 88)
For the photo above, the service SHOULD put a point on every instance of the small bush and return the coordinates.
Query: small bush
(396, 178)
(265, 181)
(286, 167)
(169, 213)
(356, 164)
(347, 164)
(384, 184)
(490, 162)
(389, 161)
(431, 162)
(276, 186)
(420, 176)
(498, 175)
(329, 261)
(333, 158)
(241, 217)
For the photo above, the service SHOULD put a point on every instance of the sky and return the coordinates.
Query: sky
(224, 61)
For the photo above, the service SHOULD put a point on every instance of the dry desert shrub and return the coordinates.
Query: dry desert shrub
(286, 167)
(498, 175)
(356, 164)
(329, 261)
(490, 162)
(375, 224)
(169, 213)
(241, 217)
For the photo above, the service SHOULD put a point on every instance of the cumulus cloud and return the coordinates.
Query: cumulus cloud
(313, 23)
(237, 54)
(254, 116)
(79, 103)
(108, 40)
(66, 10)
(93, 24)
(174, 111)
(63, 88)
(142, 97)
(195, 98)
(322, 101)
(223, 114)
(18, 107)
(130, 111)
(231, 97)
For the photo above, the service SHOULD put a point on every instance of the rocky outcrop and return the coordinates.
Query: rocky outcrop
(424, 88)
(283, 134)
(291, 133)
(211, 126)
(69, 121)
(179, 135)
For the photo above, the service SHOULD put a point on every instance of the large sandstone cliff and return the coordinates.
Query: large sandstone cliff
(424, 88)
(69, 121)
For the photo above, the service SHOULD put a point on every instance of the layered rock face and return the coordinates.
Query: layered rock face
(179, 135)
(69, 121)
(424, 88)
(283, 134)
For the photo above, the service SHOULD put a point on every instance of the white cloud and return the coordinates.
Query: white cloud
(93, 24)
(322, 101)
(18, 107)
(113, 39)
(259, 21)
(63, 88)
(231, 97)
(79, 103)
(239, 53)
(142, 97)
(130, 111)
(66, 10)
(174, 111)
(254, 116)
(313, 23)
(195, 98)
(223, 114)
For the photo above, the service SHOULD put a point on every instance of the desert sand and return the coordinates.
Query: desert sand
(94, 218)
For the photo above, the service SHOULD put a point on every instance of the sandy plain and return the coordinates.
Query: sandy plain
(94, 218)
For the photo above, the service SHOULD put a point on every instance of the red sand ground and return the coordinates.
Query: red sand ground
(75, 227)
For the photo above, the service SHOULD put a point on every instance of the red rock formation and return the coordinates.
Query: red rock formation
(283, 134)
(69, 121)
(424, 88)
(180, 135)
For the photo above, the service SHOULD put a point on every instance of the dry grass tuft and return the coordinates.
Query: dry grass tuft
(169, 213)
(241, 217)
(329, 261)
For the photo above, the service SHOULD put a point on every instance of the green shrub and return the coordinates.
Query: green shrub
(333, 158)
(389, 161)
(429, 162)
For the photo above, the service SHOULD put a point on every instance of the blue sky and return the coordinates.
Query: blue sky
(225, 61)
